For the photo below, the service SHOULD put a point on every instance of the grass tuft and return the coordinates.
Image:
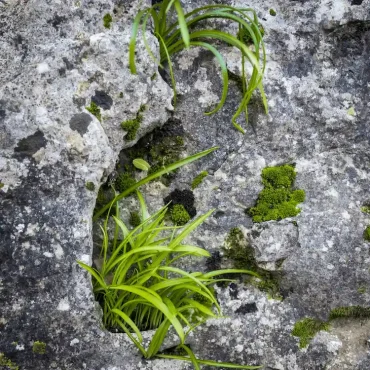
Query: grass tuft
(199, 179)
(175, 33)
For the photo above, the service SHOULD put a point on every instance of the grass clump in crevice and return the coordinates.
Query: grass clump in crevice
(177, 30)
(199, 179)
(141, 288)
(307, 328)
(94, 110)
(107, 20)
(278, 200)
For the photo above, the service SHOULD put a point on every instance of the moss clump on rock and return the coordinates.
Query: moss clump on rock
(107, 20)
(179, 215)
(90, 186)
(39, 348)
(135, 219)
(6, 363)
(95, 110)
(124, 181)
(277, 200)
(367, 234)
(198, 179)
(307, 328)
(272, 12)
(132, 125)
(349, 311)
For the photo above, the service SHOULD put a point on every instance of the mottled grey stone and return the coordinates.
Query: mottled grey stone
(57, 55)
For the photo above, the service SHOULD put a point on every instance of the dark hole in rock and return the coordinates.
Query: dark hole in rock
(102, 99)
(80, 122)
(30, 145)
(184, 197)
(247, 308)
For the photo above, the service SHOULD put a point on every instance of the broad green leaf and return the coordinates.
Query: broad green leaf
(141, 164)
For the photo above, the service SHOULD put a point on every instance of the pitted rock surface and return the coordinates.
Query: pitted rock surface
(57, 58)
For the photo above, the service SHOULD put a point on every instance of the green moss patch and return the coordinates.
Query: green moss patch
(243, 256)
(90, 186)
(272, 12)
(349, 312)
(6, 363)
(132, 125)
(95, 110)
(278, 199)
(107, 20)
(198, 179)
(39, 348)
(367, 234)
(135, 219)
(124, 181)
(307, 328)
(179, 215)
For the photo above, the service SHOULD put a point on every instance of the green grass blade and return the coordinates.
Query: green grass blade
(158, 338)
(182, 23)
(191, 356)
(211, 363)
(132, 46)
(153, 176)
(94, 273)
(225, 76)
(129, 322)
(229, 271)
(157, 303)
(143, 208)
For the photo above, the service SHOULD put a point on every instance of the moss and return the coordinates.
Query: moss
(39, 347)
(121, 95)
(1, 185)
(124, 181)
(107, 20)
(7, 363)
(179, 140)
(132, 125)
(307, 328)
(154, 76)
(361, 290)
(198, 179)
(135, 219)
(367, 234)
(90, 186)
(277, 200)
(243, 256)
(179, 215)
(95, 110)
(272, 12)
(349, 312)
(365, 209)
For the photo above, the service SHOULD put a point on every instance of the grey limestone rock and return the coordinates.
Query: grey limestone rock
(57, 58)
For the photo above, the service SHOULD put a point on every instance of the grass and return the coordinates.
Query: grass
(140, 284)
(176, 30)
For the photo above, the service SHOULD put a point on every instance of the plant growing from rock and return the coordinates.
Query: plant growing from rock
(177, 33)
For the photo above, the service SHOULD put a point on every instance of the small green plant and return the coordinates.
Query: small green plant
(90, 186)
(179, 215)
(365, 209)
(132, 125)
(307, 328)
(367, 234)
(95, 110)
(142, 288)
(175, 33)
(198, 179)
(277, 200)
(272, 12)
(39, 348)
(7, 363)
(349, 311)
(135, 219)
(107, 20)
(124, 181)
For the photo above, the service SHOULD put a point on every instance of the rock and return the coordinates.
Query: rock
(57, 59)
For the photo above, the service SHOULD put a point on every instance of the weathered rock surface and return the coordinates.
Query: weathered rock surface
(57, 58)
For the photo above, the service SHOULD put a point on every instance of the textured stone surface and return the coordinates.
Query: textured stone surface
(57, 58)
